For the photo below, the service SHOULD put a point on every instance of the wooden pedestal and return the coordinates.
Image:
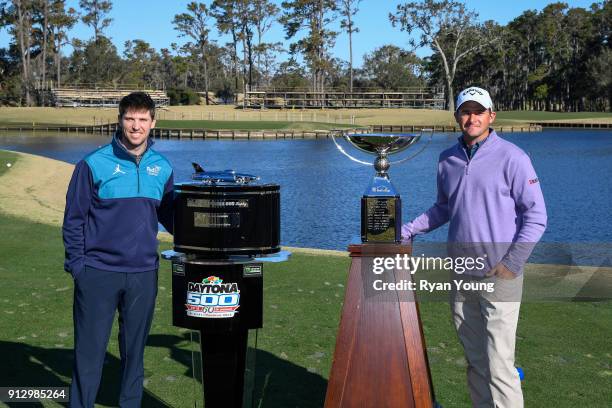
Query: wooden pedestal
(380, 358)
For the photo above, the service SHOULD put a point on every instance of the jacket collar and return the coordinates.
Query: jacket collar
(120, 151)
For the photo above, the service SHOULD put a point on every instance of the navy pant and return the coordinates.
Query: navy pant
(97, 294)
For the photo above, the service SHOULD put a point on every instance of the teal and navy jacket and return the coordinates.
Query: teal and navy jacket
(113, 206)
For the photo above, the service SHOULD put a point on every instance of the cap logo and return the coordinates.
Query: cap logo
(472, 92)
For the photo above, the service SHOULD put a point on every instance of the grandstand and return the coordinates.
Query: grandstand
(75, 96)
(428, 98)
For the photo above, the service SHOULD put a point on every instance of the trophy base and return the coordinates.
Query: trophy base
(381, 219)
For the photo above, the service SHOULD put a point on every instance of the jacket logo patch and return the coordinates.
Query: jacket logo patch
(153, 171)
(118, 170)
(533, 181)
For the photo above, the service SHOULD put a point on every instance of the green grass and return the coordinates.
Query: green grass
(533, 116)
(186, 117)
(9, 124)
(247, 125)
(7, 157)
(563, 347)
(211, 124)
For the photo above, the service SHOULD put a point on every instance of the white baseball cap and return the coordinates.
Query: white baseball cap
(475, 94)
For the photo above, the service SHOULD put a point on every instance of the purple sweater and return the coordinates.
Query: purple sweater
(494, 199)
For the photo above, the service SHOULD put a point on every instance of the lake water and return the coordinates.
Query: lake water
(321, 189)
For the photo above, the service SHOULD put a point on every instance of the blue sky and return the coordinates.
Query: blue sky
(152, 21)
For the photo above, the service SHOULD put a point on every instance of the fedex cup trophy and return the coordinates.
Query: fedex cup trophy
(381, 210)
(388, 322)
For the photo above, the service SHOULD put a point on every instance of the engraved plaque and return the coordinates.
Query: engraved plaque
(216, 220)
(380, 221)
(218, 203)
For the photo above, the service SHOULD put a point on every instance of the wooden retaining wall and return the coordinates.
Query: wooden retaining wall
(573, 125)
(194, 134)
(454, 129)
(190, 134)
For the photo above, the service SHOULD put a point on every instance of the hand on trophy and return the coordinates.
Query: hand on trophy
(406, 234)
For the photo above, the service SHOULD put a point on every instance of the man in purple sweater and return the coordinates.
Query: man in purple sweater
(490, 194)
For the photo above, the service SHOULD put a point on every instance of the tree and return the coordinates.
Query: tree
(10, 83)
(290, 75)
(314, 16)
(224, 11)
(242, 18)
(348, 8)
(195, 26)
(601, 80)
(21, 18)
(143, 63)
(95, 15)
(44, 29)
(245, 10)
(264, 15)
(392, 68)
(60, 21)
(97, 62)
(448, 28)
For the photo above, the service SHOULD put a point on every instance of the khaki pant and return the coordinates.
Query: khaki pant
(486, 328)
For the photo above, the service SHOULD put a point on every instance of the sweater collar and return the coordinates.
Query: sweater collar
(489, 140)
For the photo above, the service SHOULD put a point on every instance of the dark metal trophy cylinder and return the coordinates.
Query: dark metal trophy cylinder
(227, 219)
(221, 223)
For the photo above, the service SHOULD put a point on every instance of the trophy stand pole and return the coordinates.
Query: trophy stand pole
(380, 358)
(223, 363)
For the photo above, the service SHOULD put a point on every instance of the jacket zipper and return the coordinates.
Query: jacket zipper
(137, 162)
(467, 165)
(138, 175)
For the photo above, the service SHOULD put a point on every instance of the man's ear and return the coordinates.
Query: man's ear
(153, 123)
(456, 116)
(493, 115)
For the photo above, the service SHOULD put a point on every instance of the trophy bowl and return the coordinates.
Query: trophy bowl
(376, 143)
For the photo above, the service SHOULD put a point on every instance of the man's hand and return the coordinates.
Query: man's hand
(501, 271)
(406, 235)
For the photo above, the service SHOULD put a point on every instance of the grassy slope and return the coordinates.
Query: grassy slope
(555, 116)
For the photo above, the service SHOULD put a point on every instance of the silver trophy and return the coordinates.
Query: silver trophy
(381, 206)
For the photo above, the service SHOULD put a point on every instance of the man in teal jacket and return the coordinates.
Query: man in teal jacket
(115, 199)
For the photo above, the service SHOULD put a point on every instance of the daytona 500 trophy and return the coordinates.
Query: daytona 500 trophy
(226, 226)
